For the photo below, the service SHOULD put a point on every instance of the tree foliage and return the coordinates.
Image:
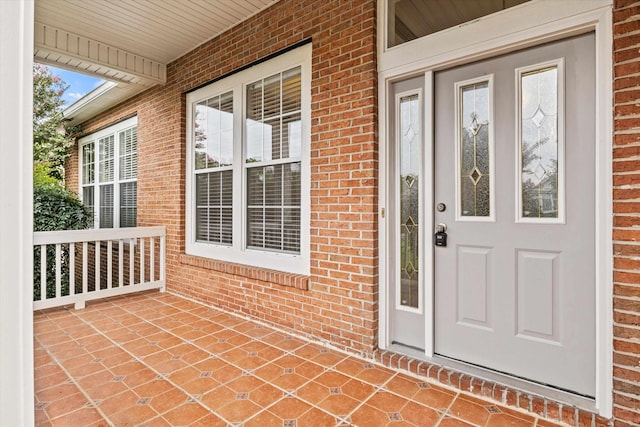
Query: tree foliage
(54, 206)
(50, 140)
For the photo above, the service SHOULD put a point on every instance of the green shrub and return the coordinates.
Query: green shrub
(55, 208)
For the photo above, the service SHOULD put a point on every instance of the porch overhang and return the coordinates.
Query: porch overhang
(128, 44)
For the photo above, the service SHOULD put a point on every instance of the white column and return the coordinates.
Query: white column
(16, 216)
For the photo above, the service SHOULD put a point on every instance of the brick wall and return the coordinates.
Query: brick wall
(339, 301)
(626, 219)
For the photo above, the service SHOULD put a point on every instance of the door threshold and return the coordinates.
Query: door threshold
(521, 385)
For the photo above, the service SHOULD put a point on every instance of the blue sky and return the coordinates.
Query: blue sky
(79, 84)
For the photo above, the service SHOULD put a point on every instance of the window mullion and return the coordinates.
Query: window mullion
(239, 193)
(116, 180)
(96, 185)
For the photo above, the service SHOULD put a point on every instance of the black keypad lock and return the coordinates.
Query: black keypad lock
(440, 238)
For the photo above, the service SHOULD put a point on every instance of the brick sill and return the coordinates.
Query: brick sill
(290, 280)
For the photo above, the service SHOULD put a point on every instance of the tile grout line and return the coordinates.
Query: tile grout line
(377, 387)
(126, 310)
(254, 339)
(159, 375)
(72, 379)
(310, 380)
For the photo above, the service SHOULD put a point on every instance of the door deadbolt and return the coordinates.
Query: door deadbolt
(441, 207)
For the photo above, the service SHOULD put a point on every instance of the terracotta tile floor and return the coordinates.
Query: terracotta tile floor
(156, 359)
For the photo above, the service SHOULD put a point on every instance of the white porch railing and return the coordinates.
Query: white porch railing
(81, 265)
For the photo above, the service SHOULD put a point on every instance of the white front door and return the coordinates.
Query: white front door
(514, 176)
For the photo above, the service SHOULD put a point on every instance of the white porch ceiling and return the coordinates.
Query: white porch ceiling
(130, 42)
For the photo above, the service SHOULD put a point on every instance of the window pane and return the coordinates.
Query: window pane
(409, 139)
(291, 91)
(409, 20)
(106, 206)
(474, 161)
(291, 136)
(214, 193)
(273, 212)
(273, 129)
(106, 159)
(129, 154)
(88, 165)
(128, 204)
(88, 199)
(271, 96)
(539, 143)
(213, 133)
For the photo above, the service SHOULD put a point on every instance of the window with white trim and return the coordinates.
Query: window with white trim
(109, 174)
(248, 165)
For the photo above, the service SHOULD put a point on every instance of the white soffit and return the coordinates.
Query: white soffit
(130, 41)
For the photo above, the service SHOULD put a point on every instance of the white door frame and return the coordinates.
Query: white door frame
(529, 24)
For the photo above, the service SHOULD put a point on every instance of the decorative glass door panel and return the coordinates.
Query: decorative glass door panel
(474, 148)
(541, 143)
(409, 137)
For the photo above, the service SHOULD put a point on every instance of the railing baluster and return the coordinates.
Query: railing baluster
(97, 265)
(132, 243)
(109, 263)
(43, 272)
(120, 264)
(163, 254)
(58, 271)
(85, 261)
(72, 268)
(142, 264)
(152, 259)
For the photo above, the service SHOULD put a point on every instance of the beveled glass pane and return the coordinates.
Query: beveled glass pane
(539, 143)
(409, 163)
(474, 144)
